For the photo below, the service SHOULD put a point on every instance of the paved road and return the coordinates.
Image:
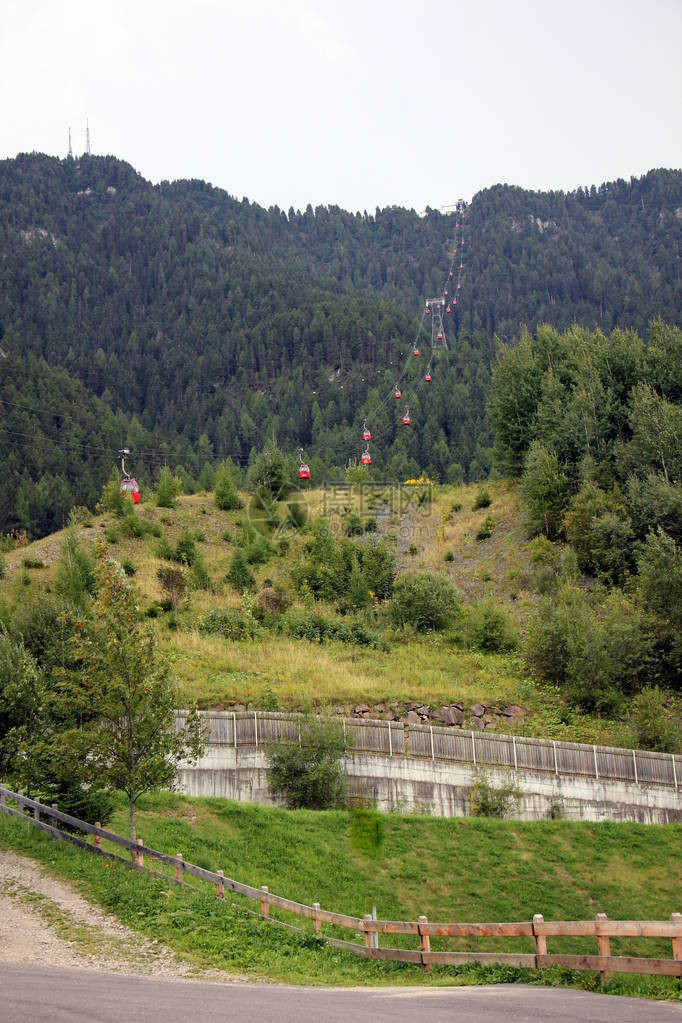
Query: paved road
(35, 994)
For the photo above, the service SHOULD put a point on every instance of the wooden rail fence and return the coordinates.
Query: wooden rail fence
(481, 749)
(538, 929)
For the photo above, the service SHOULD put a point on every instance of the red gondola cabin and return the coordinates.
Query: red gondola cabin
(303, 471)
(130, 489)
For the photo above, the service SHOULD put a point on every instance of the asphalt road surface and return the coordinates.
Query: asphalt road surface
(37, 994)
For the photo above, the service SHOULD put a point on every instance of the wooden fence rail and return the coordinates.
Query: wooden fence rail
(539, 930)
(431, 742)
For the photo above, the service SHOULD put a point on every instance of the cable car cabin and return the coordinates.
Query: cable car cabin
(448, 309)
(459, 287)
(454, 301)
(303, 471)
(427, 311)
(366, 435)
(415, 352)
(427, 378)
(398, 393)
(446, 293)
(406, 419)
(439, 335)
(129, 488)
(452, 274)
(365, 458)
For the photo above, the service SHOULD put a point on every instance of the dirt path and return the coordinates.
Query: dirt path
(46, 922)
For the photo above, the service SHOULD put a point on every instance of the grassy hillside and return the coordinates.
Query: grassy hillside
(274, 670)
(469, 869)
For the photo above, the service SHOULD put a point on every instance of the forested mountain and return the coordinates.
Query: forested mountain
(192, 326)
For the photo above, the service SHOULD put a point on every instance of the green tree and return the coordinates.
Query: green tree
(424, 601)
(544, 487)
(75, 578)
(133, 742)
(226, 496)
(21, 698)
(167, 489)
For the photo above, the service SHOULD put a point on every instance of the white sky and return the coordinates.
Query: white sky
(361, 103)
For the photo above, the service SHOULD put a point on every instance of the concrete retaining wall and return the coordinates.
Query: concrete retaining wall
(410, 785)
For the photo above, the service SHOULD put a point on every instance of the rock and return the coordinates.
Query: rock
(452, 715)
(478, 710)
(366, 714)
(381, 708)
(410, 706)
(413, 718)
(491, 725)
(513, 711)
(422, 710)
(361, 708)
(476, 725)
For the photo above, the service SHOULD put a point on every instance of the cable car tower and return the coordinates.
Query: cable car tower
(438, 338)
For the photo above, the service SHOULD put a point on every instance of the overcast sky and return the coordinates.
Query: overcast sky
(355, 102)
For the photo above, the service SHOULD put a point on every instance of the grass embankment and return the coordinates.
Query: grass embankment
(468, 869)
(277, 671)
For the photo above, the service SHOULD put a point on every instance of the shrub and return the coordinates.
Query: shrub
(310, 774)
(424, 600)
(229, 623)
(448, 556)
(485, 531)
(297, 514)
(186, 549)
(259, 551)
(46, 627)
(226, 496)
(490, 629)
(354, 526)
(3, 567)
(174, 585)
(167, 489)
(128, 567)
(544, 558)
(656, 721)
(239, 575)
(111, 533)
(75, 578)
(371, 525)
(488, 800)
(272, 600)
(199, 578)
(80, 516)
(412, 550)
(112, 500)
(270, 473)
(600, 533)
(483, 500)
(31, 561)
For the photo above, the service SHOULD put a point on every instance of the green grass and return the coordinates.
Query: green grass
(465, 869)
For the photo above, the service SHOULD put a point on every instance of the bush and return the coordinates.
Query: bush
(46, 627)
(31, 561)
(424, 601)
(186, 549)
(448, 556)
(174, 585)
(483, 500)
(3, 567)
(297, 514)
(310, 774)
(270, 473)
(112, 500)
(596, 655)
(167, 489)
(272, 601)
(75, 578)
(239, 575)
(600, 533)
(488, 800)
(226, 496)
(354, 526)
(111, 533)
(371, 525)
(319, 628)
(259, 551)
(229, 623)
(485, 531)
(489, 628)
(199, 578)
(656, 721)
(80, 516)
(128, 567)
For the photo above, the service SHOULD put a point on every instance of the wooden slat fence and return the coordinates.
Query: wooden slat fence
(481, 749)
(16, 805)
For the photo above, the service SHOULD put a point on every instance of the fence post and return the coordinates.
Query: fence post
(20, 801)
(139, 855)
(234, 729)
(2, 797)
(36, 813)
(603, 943)
(424, 942)
(556, 762)
(178, 867)
(676, 918)
(634, 764)
(220, 887)
(540, 939)
(390, 740)
(596, 769)
(516, 762)
(55, 823)
(672, 757)
(473, 745)
(433, 755)
(264, 904)
(96, 840)
(316, 916)
(367, 919)
(255, 726)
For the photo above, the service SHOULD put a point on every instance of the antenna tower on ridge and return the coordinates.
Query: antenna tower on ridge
(87, 136)
(70, 149)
